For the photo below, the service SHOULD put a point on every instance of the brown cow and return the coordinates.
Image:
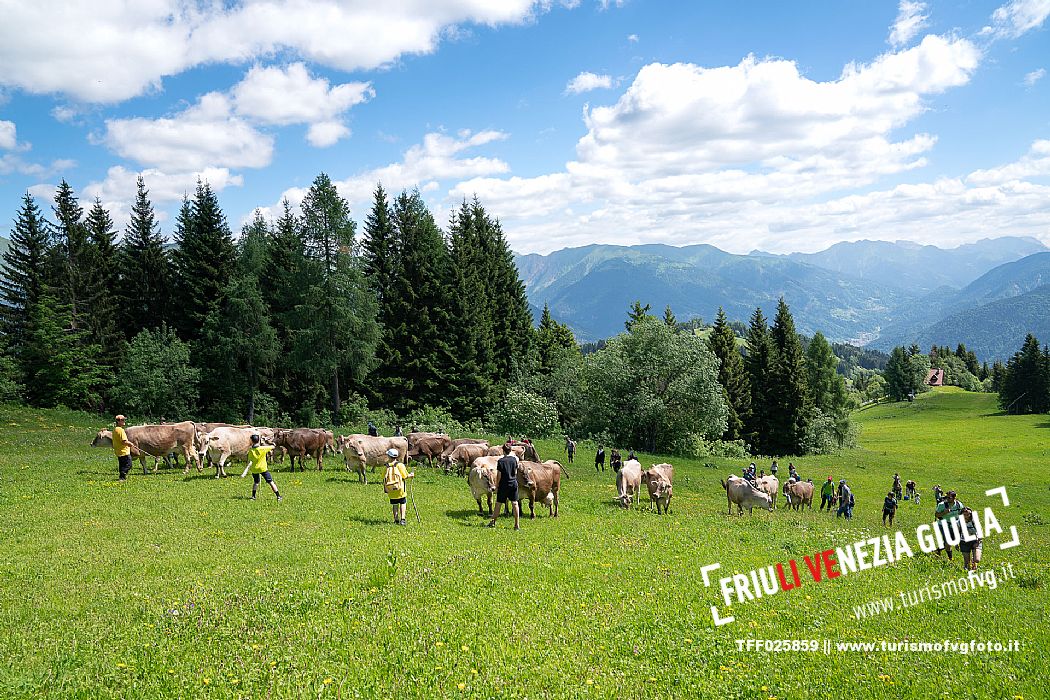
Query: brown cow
(463, 457)
(541, 481)
(516, 450)
(658, 478)
(456, 443)
(770, 485)
(301, 442)
(157, 441)
(224, 445)
(361, 451)
(798, 494)
(429, 445)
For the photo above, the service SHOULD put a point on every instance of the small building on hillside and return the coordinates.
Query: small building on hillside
(935, 377)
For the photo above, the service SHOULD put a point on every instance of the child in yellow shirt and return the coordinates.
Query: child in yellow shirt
(257, 466)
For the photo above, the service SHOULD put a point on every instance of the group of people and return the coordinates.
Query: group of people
(615, 459)
(950, 512)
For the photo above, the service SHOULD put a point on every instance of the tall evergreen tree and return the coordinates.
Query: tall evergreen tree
(552, 340)
(420, 321)
(732, 377)
(203, 261)
(669, 318)
(826, 386)
(60, 367)
(23, 276)
(145, 281)
(341, 333)
(1026, 381)
(636, 313)
(790, 392)
(759, 366)
(70, 254)
(103, 286)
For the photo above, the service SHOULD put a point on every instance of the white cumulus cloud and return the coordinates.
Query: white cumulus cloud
(587, 81)
(111, 50)
(910, 21)
(1017, 17)
(1034, 77)
(7, 136)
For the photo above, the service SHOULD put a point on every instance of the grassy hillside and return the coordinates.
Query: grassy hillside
(180, 586)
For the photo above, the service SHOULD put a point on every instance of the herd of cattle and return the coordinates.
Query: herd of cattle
(763, 493)
(218, 444)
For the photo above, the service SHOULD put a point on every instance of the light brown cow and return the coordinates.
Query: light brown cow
(628, 482)
(659, 478)
(516, 450)
(456, 443)
(798, 494)
(300, 442)
(157, 441)
(541, 481)
(361, 451)
(482, 480)
(744, 495)
(224, 445)
(429, 445)
(463, 457)
(771, 485)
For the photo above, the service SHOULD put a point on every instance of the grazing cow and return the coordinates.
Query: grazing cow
(464, 455)
(770, 485)
(300, 442)
(629, 482)
(658, 478)
(516, 450)
(157, 441)
(456, 443)
(483, 481)
(798, 494)
(223, 445)
(429, 445)
(541, 481)
(744, 495)
(360, 451)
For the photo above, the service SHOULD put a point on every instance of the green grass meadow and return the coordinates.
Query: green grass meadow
(175, 586)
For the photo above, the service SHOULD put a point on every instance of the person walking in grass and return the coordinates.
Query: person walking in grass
(845, 501)
(507, 487)
(896, 486)
(599, 459)
(395, 487)
(827, 494)
(122, 447)
(948, 510)
(258, 467)
(909, 490)
(971, 543)
(572, 451)
(889, 507)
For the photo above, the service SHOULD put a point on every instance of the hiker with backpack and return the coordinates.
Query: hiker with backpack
(970, 546)
(889, 507)
(394, 486)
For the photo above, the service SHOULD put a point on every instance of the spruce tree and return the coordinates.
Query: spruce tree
(145, 279)
(60, 367)
(70, 264)
(103, 286)
(899, 374)
(420, 322)
(759, 366)
(826, 386)
(23, 275)
(636, 313)
(732, 377)
(340, 331)
(790, 392)
(669, 318)
(203, 260)
(1026, 381)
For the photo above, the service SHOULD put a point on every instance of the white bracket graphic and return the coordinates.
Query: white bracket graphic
(719, 621)
(1001, 491)
(705, 571)
(1014, 542)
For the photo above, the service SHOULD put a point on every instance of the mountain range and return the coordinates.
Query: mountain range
(862, 292)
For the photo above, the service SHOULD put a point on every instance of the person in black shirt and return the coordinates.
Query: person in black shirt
(507, 488)
(599, 458)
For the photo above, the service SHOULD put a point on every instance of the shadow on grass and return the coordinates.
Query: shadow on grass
(365, 520)
(466, 514)
(1044, 424)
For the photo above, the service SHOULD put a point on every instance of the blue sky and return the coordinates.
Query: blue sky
(780, 126)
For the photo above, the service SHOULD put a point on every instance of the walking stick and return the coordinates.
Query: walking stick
(412, 497)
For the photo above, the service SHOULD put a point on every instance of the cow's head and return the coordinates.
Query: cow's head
(103, 438)
(525, 474)
(488, 479)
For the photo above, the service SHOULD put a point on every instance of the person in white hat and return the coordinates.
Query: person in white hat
(394, 485)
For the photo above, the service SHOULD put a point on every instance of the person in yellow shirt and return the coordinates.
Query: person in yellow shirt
(394, 485)
(257, 466)
(122, 447)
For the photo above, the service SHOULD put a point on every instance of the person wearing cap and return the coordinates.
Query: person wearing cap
(948, 510)
(970, 546)
(394, 485)
(257, 466)
(845, 501)
(122, 447)
(827, 494)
